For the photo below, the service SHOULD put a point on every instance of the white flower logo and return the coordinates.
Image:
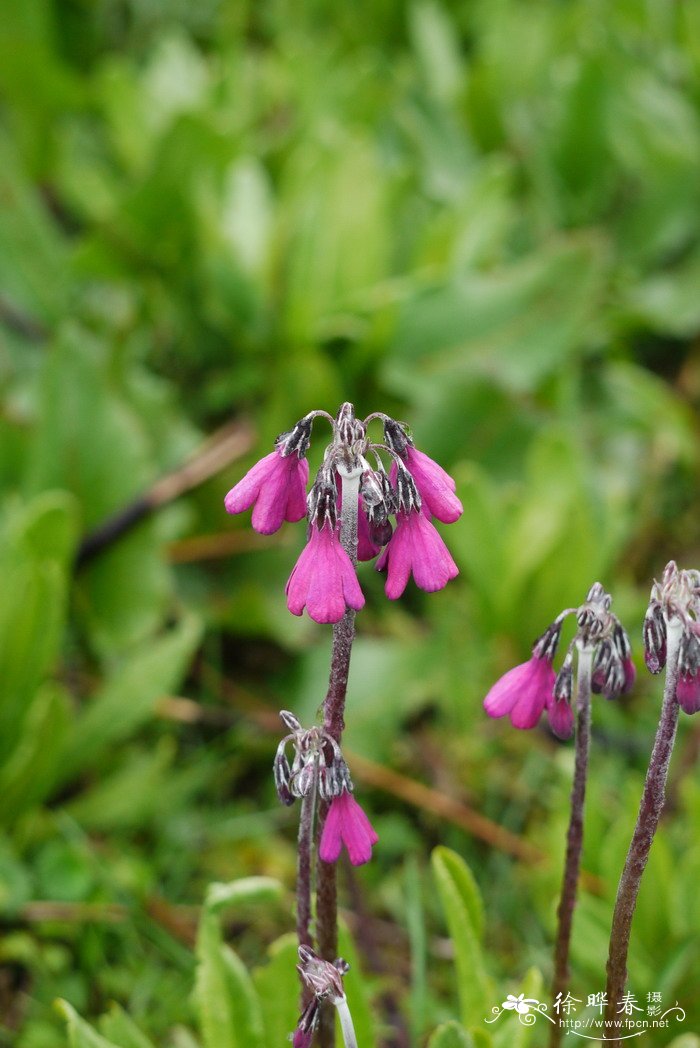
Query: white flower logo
(519, 1004)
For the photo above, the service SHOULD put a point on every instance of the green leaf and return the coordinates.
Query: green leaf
(357, 992)
(521, 1035)
(80, 1033)
(463, 911)
(278, 987)
(417, 934)
(242, 892)
(29, 774)
(120, 1028)
(129, 697)
(451, 1035)
(229, 1008)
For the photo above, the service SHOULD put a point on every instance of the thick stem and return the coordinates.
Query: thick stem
(650, 808)
(574, 839)
(304, 881)
(334, 723)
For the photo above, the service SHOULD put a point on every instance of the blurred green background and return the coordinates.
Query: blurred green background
(482, 217)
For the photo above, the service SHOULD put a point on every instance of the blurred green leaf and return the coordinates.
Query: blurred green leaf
(451, 1035)
(463, 911)
(128, 698)
(80, 1033)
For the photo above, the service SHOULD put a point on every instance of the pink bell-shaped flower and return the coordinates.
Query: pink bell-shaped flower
(323, 580)
(435, 486)
(346, 824)
(275, 487)
(523, 693)
(416, 548)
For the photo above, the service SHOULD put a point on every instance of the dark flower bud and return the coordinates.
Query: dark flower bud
(283, 777)
(408, 499)
(381, 533)
(396, 437)
(322, 500)
(564, 684)
(349, 429)
(654, 634)
(304, 779)
(371, 488)
(545, 647)
(297, 439)
(688, 654)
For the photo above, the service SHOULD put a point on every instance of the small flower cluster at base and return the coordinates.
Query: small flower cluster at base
(416, 489)
(676, 599)
(325, 980)
(318, 764)
(529, 689)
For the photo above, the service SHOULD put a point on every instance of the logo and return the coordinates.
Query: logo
(630, 1020)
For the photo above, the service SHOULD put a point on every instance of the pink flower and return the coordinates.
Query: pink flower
(347, 824)
(523, 693)
(561, 718)
(688, 692)
(276, 486)
(302, 1038)
(323, 580)
(435, 487)
(366, 549)
(630, 672)
(416, 547)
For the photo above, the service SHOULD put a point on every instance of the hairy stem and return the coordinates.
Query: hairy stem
(304, 880)
(574, 839)
(650, 808)
(334, 723)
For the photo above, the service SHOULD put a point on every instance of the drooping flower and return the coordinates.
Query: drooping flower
(303, 1036)
(561, 718)
(323, 580)
(688, 692)
(435, 486)
(346, 823)
(523, 693)
(688, 687)
(275, 487)
(366, 548)
(416, 548)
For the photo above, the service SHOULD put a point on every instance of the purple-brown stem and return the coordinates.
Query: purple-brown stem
(334, 723)
(574, 839)
(304, 881)
(650, 808)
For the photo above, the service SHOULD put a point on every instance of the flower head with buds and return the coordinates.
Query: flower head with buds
(318, 764)
(349, 508)
(325, 981)
(532, 687)
(674, 604)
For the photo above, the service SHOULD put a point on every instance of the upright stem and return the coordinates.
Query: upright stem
(574, 839)
(334, 723)
(650, 808)
(304, 879)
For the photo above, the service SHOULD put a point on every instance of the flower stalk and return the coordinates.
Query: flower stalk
(334, 723)
(574, 838)
(348, 509)
(650, 808)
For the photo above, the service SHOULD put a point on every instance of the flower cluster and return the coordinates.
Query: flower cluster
(318, 765)
(325, 981)
(349, 508)
(675, 603)
(532, 687)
